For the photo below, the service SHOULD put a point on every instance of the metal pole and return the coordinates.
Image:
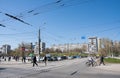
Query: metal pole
(31, 46)
(6, 49)
(39, 41)
(23, 54)
(23, 49)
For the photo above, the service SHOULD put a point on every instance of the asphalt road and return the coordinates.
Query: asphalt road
(63, 69)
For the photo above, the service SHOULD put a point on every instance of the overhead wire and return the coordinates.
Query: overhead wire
(47, 7)
(55, 5)
(2, 25)
(52, 36)
(18, 33)
(41, 9)
(16, 18)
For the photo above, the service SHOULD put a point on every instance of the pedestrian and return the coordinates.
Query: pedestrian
(0, 58)
(9, 58)
(102, 60)
(34, 61)
(45, 60)
(23, 59)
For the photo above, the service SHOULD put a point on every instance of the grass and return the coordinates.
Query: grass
(112, 60)
(67, 54)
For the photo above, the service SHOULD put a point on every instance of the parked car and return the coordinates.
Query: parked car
(64, 57)
(49, 58)
(70, 57)
(76, 57)
(41, 59)
(56, 58)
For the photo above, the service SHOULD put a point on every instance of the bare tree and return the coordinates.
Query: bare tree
(109, 47)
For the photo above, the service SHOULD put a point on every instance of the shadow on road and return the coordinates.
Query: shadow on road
(73, 73)
(2, 68)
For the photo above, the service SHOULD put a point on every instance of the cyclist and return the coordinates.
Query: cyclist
(91, 60)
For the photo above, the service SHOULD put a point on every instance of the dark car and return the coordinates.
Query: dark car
(63, 57)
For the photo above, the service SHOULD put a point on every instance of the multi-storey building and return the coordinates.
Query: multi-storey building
(5, 49)
(42, 47)
(68, 47)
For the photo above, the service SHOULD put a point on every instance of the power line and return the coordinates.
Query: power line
(18, 33)
(14, 17)
(54, 6)
(46, 8)
(105, 30)
(2, 25)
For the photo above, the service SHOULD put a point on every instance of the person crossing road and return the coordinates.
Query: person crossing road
(34, 61)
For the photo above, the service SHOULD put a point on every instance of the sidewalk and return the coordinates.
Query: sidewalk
(109, 67)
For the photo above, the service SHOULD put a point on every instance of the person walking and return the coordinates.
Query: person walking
(45, 60)
(102, 60)
(34, 61)
(24, 59)
(9, 58)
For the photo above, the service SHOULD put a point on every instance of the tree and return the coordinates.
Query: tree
(109, 47)
(116, 48)
(58, 51)
(106, 46)
(47, 50)
(84, 48)
(18, 51)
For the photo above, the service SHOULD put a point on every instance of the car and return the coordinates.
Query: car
(64, 57)
(49, 58)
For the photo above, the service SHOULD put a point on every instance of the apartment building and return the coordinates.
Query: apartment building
(5, 49)
(69, 46)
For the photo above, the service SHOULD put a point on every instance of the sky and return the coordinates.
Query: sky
(60, 21)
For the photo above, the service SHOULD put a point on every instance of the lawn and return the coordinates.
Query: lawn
(112, 60)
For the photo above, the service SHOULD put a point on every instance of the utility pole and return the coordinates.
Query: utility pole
(39, 41)
(23, 53)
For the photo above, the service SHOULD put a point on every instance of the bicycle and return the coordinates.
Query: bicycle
(91, 63)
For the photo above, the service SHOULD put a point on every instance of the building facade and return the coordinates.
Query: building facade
(5, 49)
(42, 47)
(68, 47)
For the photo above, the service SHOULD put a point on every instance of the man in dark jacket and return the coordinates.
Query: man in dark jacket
(102, 60)
(45, 60)
(34, 61)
